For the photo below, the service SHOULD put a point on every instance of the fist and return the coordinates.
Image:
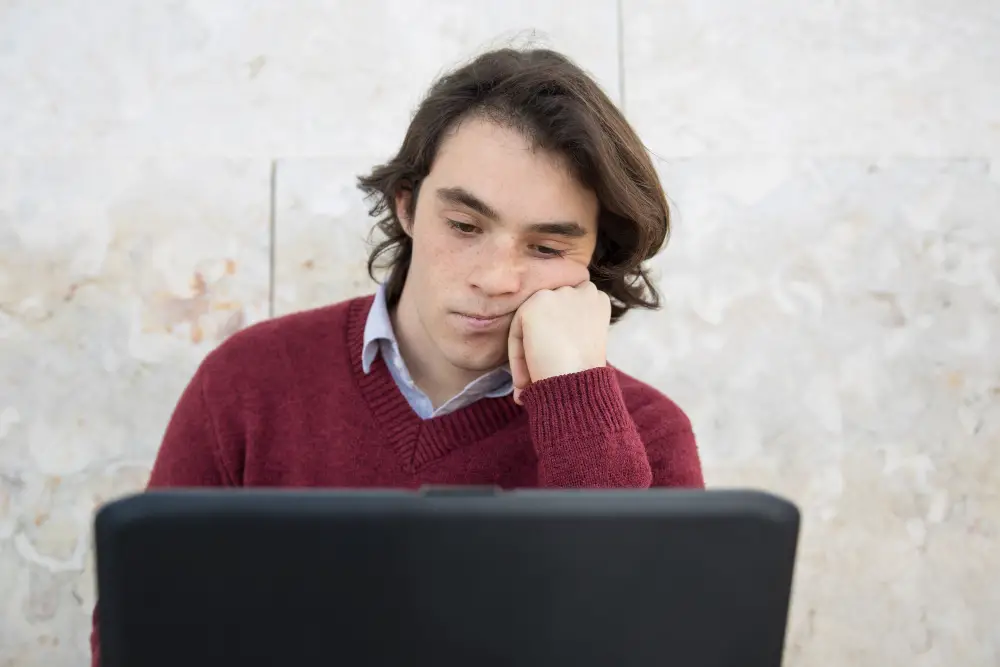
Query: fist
(558, 332)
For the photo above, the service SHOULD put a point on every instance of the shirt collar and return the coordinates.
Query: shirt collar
(378, 328)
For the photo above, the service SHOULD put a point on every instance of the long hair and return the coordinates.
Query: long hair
(559, 108)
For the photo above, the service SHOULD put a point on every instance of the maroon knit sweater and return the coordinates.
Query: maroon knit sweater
(285, 403)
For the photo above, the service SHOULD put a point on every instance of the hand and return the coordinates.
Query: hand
(558, 332)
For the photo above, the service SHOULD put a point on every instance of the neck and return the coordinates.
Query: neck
(431, 372)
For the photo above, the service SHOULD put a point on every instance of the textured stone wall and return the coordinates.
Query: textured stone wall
(173, 171)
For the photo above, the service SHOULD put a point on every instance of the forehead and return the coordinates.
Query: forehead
(501, 167)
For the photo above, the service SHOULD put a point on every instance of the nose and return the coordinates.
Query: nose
(497, 270)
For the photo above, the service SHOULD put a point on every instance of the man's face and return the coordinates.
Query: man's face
(495, 222)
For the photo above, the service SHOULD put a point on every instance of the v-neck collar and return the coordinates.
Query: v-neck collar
(418, 442)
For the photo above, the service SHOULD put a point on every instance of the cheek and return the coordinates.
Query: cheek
(553, 274)
(439, 255)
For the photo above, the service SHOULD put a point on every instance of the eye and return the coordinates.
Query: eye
(546, 251)
(463, 227)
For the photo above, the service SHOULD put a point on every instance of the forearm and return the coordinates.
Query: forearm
(583, 434)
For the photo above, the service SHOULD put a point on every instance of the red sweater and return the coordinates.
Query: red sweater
(286, 403)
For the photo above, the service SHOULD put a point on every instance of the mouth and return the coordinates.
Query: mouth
(480, 322)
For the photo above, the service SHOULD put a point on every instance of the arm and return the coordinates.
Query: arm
(584, 437)
(188, 456)
(191, 454)
(581, 427)
(674, 460)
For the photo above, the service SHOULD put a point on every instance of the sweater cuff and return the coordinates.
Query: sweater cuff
(569, 407)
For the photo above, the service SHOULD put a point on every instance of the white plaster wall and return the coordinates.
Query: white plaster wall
(832, 317)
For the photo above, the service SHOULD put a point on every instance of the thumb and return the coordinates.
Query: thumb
(516, 357)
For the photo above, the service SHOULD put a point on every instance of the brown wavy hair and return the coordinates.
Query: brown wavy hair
(558, 107)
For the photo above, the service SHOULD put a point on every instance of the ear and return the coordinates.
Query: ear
(403, 199)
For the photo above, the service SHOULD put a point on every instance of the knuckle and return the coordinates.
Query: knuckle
(538, 299)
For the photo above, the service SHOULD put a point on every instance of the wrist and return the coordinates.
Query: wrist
(582, 403)
(566, 367)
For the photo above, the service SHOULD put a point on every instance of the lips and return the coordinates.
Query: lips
(480, 323)
(484, 318)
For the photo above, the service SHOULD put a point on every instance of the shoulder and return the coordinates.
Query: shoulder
(652, 411)
(281, 344)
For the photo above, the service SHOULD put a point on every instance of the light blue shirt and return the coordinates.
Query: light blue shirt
(380, 339)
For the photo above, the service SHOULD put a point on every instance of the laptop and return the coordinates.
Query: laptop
(445, 577)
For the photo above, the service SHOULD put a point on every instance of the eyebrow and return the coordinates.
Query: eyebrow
(462, 197)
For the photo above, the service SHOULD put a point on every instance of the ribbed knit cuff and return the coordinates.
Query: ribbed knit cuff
(572, 407)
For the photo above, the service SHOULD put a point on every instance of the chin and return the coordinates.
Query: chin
(479, 358)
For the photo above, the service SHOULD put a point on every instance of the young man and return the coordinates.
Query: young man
(517, 216)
